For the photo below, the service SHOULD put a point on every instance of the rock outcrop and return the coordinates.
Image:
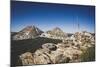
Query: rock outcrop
(69, 50)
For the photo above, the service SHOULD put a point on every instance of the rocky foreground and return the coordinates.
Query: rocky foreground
(72, 49)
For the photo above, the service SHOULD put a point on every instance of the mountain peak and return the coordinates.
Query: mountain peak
(57, 29)
(28, 32)
(57, 32)
(28, 28)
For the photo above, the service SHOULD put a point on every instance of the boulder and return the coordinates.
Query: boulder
(27, 58)
(41, 56)
(42, 59)
(49, 46)
(58, 57)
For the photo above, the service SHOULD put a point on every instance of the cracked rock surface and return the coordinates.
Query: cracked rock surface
(67, 51)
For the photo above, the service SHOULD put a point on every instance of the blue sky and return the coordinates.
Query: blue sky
(48, 16)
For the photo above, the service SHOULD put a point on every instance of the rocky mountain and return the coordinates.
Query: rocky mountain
(56, 33)
(28, 32)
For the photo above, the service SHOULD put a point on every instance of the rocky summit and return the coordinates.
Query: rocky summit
(55, 33)
(28, 32)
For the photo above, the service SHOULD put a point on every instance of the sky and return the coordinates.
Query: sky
(47, 16)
